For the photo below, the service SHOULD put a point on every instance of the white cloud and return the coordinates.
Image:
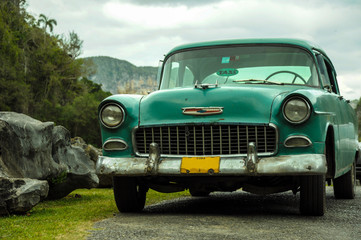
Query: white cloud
(155, 17)
(349, 84)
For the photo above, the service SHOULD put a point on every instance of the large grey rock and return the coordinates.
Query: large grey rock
(80, 171)
(26, 147)
(36, 150)
(20, 195)
(93, 153)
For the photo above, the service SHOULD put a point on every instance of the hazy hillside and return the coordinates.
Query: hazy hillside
(119, 76)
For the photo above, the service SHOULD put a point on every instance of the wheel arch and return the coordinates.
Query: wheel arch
(330, 152)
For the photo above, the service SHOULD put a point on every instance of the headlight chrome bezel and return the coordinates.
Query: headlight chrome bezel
(121, 111)
(287, 116)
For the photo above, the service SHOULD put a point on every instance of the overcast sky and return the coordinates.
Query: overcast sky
(142, 31)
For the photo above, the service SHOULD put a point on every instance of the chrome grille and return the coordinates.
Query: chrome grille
(206, 139)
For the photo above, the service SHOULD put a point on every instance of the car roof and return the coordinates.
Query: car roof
(281, 41)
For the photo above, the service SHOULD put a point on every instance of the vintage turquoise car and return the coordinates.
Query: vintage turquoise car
(261, 115)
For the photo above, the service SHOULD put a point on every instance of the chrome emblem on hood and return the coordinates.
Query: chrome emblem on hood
(201, 111)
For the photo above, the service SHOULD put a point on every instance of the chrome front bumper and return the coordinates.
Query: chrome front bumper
(303, 164)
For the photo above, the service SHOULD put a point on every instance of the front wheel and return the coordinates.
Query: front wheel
(129, 194)
(313, 195)
(344, 187)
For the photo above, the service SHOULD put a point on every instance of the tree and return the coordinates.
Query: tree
(38, 76)
(47, 22)
(13, 31)
(72, 45)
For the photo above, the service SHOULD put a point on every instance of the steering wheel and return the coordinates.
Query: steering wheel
(293, 73)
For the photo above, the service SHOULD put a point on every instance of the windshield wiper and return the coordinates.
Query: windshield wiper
(257, 81)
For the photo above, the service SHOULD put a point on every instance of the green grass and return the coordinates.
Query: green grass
(69, 218)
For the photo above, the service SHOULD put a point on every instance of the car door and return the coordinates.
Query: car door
(344, 120)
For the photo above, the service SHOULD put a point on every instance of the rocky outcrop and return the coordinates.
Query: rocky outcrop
(30, 151)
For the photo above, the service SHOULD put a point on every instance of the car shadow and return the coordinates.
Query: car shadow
(235, 203)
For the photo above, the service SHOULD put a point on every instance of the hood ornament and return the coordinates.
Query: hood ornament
(202, 111)
(205, 85)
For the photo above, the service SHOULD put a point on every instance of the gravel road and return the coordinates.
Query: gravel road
(236, 215)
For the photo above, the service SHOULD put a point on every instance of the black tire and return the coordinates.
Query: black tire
(198, 193)
(129, 195)
(313, 195)
(344, 187)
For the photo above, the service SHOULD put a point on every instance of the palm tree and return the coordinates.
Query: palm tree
(47, 22)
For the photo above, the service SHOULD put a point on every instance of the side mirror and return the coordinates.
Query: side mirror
(328, 88)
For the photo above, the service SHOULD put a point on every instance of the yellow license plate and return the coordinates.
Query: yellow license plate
(200, 165)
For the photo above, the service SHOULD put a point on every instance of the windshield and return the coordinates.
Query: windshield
(239, 65)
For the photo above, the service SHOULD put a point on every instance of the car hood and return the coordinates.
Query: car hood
(245, 104)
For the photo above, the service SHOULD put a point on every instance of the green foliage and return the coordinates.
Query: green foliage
(71, 217)
(41, 76)
(59, 179)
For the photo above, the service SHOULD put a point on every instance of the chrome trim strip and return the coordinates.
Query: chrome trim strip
(324, 113)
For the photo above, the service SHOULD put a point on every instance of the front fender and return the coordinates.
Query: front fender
(130, 104)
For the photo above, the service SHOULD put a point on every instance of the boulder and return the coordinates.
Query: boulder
(93, 153)
(19, 195)
(26, 147)
(31, 149)
(80, 168)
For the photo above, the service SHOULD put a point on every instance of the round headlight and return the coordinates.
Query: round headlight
(112, 115)
(296, 110)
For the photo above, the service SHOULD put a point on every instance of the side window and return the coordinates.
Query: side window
(332, 76)
(323, 71)
(180, 76)
(173, 75)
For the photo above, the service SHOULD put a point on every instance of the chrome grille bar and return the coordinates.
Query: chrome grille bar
(204, 152)
(238, 145)
(177, 141)
(220, 139)
(195, 140)
(265, 139)
(229, 140)
(169, 145)
(161, 137)
(212, 140)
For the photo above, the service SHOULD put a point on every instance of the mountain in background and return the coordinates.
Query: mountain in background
(119, 76)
